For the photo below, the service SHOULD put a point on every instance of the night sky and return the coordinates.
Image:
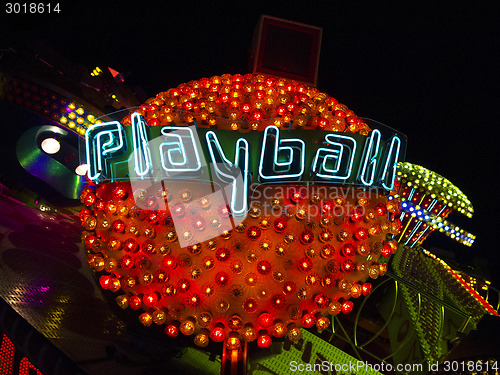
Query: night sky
(427, 69)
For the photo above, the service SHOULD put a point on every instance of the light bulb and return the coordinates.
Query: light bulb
(50, 146)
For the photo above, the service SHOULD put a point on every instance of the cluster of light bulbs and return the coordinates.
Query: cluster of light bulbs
(250, 102)
(436, 186)
(47, 102)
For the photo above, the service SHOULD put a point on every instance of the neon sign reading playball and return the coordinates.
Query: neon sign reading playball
(240, 208)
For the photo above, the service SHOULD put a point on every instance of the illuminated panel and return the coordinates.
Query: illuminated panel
(7, 352)
(13, 362)
(68, 113)
(281, 160)
(25, 366)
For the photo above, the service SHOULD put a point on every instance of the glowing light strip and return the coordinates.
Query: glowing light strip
(180, 148)
(370, 158)
(431, 206)
(439, 223)
(97, 152)
(419, 224)
(277, 146)
(395, 139)
(140, 144)
(484, 303)
(239, 196)
(335, 154)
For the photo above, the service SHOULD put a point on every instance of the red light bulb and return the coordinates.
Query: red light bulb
(348, 250)
(118, 226)
(222, 254)
(134, 302)
(340, 113)
(172, 330)
(263, 267)
(254, 232)
(305, 265)
(130, 245)
(357, 215)
(386, 250)
(295, 197)
(89, 199)
(381, 209)
(178, 209)
(321, 300)
(84, 213)
(289, 287)
(366, 288)
(264, 341)
(199, 223)
(245, 107)
(323, 123)
(348, 266)
(218, 334)
(308, 320)
(257, 115)
(347, 307)
(361, 234)
(278, 301)
(250, 305)
(327, 207)
(306, 237)
(265, 320)
(280, 225)
(91, 241)
(183, 285)
(119, 192)
(169, 262)
(126, 262)
(193, 300)
(99, 205)
(150, 300)
(222, 278)
(104, 281)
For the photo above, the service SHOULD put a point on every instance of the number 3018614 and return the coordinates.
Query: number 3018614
(32, 8)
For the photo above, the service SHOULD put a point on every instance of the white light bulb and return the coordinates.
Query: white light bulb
(51, 146)
(81, 169)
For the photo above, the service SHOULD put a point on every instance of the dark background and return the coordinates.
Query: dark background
(428, 69)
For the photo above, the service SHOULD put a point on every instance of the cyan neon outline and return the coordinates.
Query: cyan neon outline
(277, 148)
(239, 207)
(181, 149)
(370, 157)
(339, 152)
(96, 152)
(396, 139)
(140, 143)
